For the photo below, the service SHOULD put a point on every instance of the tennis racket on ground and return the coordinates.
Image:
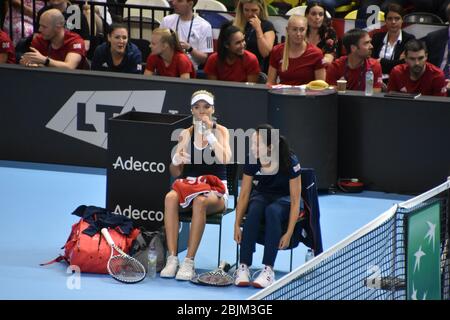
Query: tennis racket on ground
(218, 277)
(121, 266)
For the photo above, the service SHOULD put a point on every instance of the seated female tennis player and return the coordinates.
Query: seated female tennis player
(270, 192)
(203, 150)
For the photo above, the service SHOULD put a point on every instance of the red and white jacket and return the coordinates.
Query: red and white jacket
(191, 187)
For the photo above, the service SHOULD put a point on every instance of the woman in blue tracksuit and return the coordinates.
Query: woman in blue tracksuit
(118, 54)
(274, 176)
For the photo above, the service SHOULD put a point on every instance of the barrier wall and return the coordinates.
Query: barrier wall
(394, 145)
(56, 116)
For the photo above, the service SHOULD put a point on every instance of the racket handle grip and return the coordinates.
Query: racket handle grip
(107, 236)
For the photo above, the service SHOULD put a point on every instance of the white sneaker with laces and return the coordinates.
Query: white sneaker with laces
(242, 277)
(170, 268)
(265, 278)
(186, 271)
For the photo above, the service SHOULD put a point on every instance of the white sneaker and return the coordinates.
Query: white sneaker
(265, 278)
(242, 277)
(170, 268)
(186, 271)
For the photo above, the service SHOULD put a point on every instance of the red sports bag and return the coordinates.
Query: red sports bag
(91, 254)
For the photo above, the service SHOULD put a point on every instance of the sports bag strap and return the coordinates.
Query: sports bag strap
(58, 259)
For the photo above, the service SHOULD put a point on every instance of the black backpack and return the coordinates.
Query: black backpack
(145, 240)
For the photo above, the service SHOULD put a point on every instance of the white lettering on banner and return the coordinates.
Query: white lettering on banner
(136, 165)
(137, 214)
(85, 114)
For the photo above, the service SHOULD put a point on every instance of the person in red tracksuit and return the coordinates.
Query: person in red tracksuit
(296, 61)
(356, 63)
(168, 58)
(7, 51)
(203, 149)
(55, 46)
(417, 75)
(232, 62)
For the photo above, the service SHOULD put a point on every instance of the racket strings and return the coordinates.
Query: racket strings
(126, 269)
(217, 277)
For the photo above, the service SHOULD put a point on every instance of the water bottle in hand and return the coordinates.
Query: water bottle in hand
(369, 82)
(152, 258)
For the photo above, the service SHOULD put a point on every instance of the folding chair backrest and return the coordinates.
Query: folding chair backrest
(422, 17)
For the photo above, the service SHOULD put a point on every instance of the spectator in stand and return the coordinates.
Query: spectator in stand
(168, 58)
(118, 54)
(70, 13)
(232, 62)
(417, 75)
(442, 9)
(389, 47)
(16, 18)
(320, 33)
(356, 63)
(419, 5)
(55, 46)
(194, 32)
(330, 5)
(438, 44)
(296, 61)
(252, 19)
(7, 52)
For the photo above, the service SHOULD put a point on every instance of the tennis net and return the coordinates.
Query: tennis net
(371, 263)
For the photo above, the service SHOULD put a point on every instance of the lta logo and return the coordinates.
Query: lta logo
(85, 115)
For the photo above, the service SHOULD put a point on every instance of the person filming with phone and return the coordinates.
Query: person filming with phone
(199, 159)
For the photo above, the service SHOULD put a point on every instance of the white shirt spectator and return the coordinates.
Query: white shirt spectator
(102, 12)
(198, 30)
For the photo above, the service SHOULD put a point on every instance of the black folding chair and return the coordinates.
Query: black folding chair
(232, 184)
(307, 228)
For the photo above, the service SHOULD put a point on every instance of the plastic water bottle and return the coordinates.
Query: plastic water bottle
(200, 126)
(152, 258)
(369, 82)
(309, 255)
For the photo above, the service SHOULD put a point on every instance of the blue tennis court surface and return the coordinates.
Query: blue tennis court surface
(36, 205)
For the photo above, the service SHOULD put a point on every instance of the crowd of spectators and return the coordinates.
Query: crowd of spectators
(246, 49)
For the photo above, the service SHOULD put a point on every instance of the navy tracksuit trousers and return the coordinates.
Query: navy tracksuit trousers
(272, 209)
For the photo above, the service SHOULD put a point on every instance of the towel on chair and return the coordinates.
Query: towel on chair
(189, 188)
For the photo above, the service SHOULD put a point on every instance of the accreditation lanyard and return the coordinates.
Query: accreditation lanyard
(190, 28)
(393, 50)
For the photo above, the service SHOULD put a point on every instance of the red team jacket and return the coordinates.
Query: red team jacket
(190, 188)
(431, 83)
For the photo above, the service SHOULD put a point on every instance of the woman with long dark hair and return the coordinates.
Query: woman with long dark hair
(232, 62)
(270, 192)
(118, 54)
(320, 33)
